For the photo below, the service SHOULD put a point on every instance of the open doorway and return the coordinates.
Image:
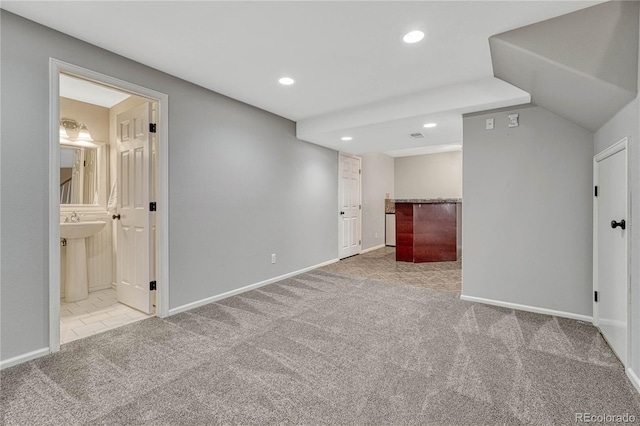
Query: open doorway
(107, 181)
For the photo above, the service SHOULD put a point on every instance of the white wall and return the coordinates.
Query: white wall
(241, 185)
(377, 180)
(527, 215)
(429, 176)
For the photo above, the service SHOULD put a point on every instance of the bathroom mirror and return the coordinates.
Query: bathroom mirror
(82, 175)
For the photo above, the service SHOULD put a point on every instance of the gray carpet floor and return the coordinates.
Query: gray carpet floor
(381, 265)
(322, 348)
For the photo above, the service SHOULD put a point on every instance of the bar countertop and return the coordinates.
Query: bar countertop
(390, 204)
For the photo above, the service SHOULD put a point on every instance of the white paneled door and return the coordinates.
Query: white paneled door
(350, 214)
(133, 246)
(611, 247)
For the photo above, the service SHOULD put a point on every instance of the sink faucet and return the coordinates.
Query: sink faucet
(72, 218)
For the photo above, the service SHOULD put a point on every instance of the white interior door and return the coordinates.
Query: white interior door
(350, 206)
(133, 246)
(612, 229)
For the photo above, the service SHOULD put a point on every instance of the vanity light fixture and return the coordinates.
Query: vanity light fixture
(63, 132)
(413, 37)
(346, 138)
(84, 134)
(286, 81)
(73, 132)
(430, 125)
(70, 126)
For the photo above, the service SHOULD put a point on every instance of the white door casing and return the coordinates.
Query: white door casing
(161, 100)
(134, 244)
(611, 247)
(350, 213)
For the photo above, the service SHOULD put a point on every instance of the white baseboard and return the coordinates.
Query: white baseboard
(528, 308)
(371, 249)
(24, 358)
(633, 378)
(212, 299)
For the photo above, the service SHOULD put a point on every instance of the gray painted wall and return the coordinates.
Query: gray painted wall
(241, 185)
(377, 180)
(429, 176)
(527, 214)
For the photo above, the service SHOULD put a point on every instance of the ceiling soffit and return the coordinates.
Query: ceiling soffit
(582, 66)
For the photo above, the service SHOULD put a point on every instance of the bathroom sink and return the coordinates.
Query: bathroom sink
(80, 229)
(76, 286)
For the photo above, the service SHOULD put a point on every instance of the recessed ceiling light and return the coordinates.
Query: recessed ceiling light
(346, 138)
(413, 37)
(429, 125)
(286, 81)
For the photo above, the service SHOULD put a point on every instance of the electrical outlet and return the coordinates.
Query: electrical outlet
(376, 235)
(273, 258)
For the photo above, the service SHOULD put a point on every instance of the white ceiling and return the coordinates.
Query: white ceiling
(344, 56)
(385, 126)
(85, 91)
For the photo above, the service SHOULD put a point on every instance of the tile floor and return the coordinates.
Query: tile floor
(100, 312)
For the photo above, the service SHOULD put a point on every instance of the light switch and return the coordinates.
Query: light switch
(513, 120)
(489, 124)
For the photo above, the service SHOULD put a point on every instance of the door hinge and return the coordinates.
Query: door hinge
(595, 296)
(359, 242)
(152, 127)
(360, 207)
(152, 206)
(595, 191)
(152, 285)
(359, 171)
